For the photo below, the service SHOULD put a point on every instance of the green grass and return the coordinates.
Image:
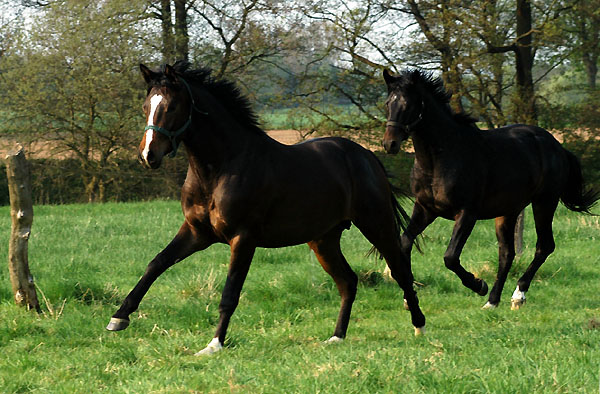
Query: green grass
(87, 257)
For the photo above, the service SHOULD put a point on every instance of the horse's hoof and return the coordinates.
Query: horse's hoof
(117, 324)
(419, 331)
(489, 306)
(516, 303)
(333, 339)
(484, 288)
(214, 346)
(406, 305)
(518, 299)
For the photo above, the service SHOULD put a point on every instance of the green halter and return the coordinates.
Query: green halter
(172, 135)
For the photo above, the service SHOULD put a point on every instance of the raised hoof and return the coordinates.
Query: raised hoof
(117, 324)
(214, 346)
(489, 306)
(333, 339)
(484, 288)
(516, 303)
(406, 305)
(419, 331)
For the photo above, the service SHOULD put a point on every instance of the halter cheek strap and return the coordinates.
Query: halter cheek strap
(408, 127)
(172, 135)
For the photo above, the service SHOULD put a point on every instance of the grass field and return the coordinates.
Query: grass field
(87, 257)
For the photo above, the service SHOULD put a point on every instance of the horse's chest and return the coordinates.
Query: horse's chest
(437, 192)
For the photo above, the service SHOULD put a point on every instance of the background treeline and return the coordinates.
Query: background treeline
(60, 181)
(70, 83)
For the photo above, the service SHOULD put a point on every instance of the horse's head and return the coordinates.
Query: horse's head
(168, 108)
(404, 110)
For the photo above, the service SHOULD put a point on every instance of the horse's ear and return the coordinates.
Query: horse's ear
(147, 73)
(388, 77)
(170, 73)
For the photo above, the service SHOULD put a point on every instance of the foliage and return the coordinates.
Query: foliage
(64, 84)
(318, 61)
(87, 257)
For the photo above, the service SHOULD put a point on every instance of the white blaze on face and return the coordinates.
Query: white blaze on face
(154, 102)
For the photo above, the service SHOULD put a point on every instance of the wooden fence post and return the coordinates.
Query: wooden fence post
(21, 212)
(519, 227)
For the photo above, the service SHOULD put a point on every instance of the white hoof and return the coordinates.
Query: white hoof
(214, 346)
(406, 305)
(419, 331)
(517, 300)
(489, 306)
(334, 339)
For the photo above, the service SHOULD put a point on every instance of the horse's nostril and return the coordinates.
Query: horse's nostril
(391, 146)
(150, 157)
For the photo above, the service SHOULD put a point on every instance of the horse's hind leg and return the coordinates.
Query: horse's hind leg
(329, 254)
(505, 232)
(543, 214)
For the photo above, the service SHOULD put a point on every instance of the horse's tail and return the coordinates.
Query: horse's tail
(401, 218)
(576, 195)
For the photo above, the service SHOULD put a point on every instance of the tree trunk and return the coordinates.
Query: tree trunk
(590, 62)
(525, 99)
(21, 212)
(181, 31)
(168, 49)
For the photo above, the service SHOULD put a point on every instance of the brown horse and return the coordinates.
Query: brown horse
(465, 174)
(247, 190)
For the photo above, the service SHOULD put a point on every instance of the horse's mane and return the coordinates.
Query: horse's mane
(407, 80)
(226, 92)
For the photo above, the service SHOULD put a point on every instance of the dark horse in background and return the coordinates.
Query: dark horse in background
(247, 190)
(465, 174)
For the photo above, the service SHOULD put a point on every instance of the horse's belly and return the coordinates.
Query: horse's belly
(292, 224)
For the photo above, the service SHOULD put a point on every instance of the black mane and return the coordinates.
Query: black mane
(408, 80)
(226, 92)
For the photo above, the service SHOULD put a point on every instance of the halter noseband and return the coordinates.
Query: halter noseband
(174, 134)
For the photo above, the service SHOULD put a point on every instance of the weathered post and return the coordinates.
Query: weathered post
(21, 212)
(519, 227)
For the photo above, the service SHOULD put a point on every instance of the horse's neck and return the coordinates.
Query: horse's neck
(434, 139)
(212, 152)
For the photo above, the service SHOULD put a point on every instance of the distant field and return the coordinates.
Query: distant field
(302, 119)
(87, 257)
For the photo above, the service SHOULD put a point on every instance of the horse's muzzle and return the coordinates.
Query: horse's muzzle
(392, 139)
(391, 146)
(151, 161)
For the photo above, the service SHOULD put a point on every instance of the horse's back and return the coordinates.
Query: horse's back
(529, 155)
(369, 184)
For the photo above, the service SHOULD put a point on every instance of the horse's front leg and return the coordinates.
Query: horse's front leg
(242, 251)
(186, 242)
(419, 220)
(462, 229)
